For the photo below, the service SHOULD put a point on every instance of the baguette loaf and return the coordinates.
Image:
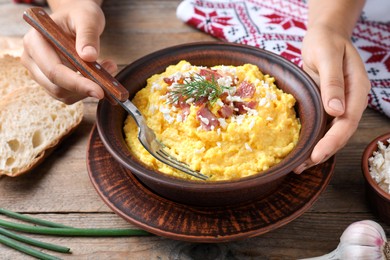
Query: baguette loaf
(32, 123)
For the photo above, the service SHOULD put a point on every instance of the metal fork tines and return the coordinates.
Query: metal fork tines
(177, 164)
(148, 139)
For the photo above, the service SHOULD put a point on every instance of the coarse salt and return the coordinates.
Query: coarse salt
(379, 166)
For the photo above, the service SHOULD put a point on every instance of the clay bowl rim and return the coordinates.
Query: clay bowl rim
(269, 175)
(367, 153)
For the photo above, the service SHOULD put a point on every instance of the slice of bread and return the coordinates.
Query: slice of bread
(13, 75)
(32, 123)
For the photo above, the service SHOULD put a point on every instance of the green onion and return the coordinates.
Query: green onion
(9, 238)
(34, 242)
(87, 232)
(25, 249)
(31, 219)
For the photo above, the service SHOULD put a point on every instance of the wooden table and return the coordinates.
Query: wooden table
(60, 189)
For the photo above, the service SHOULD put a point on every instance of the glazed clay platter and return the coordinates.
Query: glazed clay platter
(131, 200)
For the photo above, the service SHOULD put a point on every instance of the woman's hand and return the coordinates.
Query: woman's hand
(83, 20)
(333, 62)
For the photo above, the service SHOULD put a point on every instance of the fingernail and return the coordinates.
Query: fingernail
(300, 168)
(89, 50)
(336, 105)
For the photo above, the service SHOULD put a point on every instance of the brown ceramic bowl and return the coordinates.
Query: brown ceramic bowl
(289, 78)
(378, 199)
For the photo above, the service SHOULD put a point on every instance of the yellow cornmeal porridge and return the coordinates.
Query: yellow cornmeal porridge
(226, 122)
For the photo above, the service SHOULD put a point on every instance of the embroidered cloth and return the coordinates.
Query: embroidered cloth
(280, 25)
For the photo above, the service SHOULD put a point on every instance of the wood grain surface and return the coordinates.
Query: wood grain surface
(60, 189)
(129, 198)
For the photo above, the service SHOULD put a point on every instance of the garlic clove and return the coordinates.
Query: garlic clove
(362, 235)
(359, 252)
(362, 240)
(366, 232)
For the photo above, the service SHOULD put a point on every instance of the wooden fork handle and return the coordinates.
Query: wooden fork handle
(42, 22)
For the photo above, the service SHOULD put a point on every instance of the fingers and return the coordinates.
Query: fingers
(356, 87)
(332, 82)
(110, 66)
(48, 70)
(88, 32)
(85, 22)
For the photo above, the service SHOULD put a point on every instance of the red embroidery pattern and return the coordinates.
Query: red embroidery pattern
(209, 22)
(32, 2)
(280, 25)
(285, 21)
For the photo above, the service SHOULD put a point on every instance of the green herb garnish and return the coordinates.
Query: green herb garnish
(197, 88)
(18, 242)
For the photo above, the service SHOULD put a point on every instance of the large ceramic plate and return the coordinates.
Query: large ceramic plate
(127, 197)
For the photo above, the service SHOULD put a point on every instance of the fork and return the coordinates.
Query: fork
(114, 91)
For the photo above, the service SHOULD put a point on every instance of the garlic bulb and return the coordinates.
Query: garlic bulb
(362, 240)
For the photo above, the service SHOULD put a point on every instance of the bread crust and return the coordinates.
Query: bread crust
(32, 123)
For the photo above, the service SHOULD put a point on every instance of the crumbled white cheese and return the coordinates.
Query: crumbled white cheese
(379, 166)
(164, 97)
(263, 101)
(238, 119)
(228, 70)
(201, 150)
(186, 66)
(153, 108)
(232, 90)
(205, 121)
(174, 86)
(187, 78)
(169, 118)
(166, 114)
(219, 102)
(222, 122)
(252, 123)
(156, 86)
(271, 96)
(164, 110)
(177, 76)
(225, 81)
(234, 98)
(248, 147)
(250, 111)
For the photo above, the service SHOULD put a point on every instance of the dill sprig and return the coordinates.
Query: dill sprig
(196, 87)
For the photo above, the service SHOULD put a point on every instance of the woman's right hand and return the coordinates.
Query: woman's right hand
(83, 20)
